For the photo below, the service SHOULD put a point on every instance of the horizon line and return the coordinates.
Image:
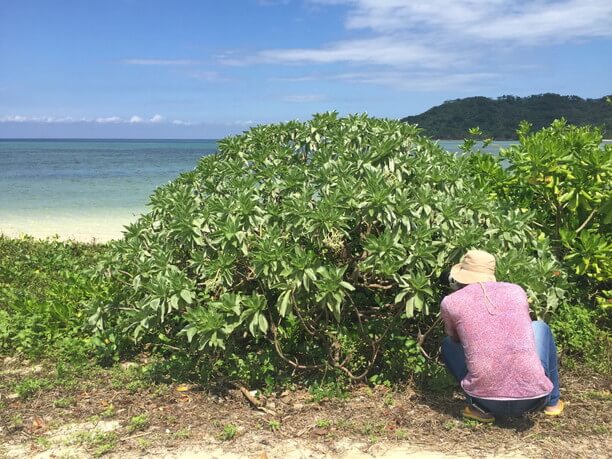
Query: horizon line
(106, 138)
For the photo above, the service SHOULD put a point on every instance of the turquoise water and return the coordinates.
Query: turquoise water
(92, 188)
(90, 175)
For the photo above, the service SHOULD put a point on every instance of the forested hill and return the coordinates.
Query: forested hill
(499, 118)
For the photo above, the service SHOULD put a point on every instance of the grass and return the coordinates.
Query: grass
(139, 422)
(43, 288)
(323, 423)
(15, 422)
(328, 391)
(63, 402)
(108, 412)
(96, 442)
(183, 433)
(418, 417)
(30, 386)
(143, 443)
(228, 432)
(274, 425)
(43, 443)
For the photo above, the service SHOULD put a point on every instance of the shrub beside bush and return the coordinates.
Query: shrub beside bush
(564, 173)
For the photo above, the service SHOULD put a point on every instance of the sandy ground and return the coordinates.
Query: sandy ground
(285, 449)
(61, 443)
(97, 412)
(82, 228)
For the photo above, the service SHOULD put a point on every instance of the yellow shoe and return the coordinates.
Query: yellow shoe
(474, 413)
(554, 410)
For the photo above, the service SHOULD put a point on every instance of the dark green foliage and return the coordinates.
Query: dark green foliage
(312, 246)
(583, 335)
(43, 288)
(499, 117)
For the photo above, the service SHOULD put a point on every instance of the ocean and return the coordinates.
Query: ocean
(90, 189)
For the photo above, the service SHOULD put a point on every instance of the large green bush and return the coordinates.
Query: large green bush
(318, 245)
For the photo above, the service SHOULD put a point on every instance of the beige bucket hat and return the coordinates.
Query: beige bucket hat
(475, 266)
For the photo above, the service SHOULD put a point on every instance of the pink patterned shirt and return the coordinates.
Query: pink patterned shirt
(498, 341)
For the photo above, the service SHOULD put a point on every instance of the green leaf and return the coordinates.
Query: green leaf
(415, 302)
(187, 296)
(347, 286)
(263, 324)
(336, 310)
(190, 332)
(284, 299)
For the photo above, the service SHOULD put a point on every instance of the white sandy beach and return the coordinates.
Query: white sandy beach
(82, 228)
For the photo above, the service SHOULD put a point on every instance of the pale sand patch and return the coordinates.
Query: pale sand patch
(62, 444)
(82, 228)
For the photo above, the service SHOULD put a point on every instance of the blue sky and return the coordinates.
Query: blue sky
(205, 69)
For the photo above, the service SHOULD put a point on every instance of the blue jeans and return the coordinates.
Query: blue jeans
(454, 358)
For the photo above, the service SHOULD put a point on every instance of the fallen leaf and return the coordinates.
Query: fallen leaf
(38, 423)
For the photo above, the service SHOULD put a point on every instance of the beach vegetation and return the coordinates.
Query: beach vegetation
(228, 432)
(327, 194)
(44, 286)
(138, 422)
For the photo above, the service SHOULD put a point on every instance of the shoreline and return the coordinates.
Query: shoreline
(80, 238)
(89, 229)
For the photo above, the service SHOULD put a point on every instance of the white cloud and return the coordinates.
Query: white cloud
(526, 22)
(35, 119)
(156, 119)
(272, 2)
(182, 123)
(13, 119)
(110, 119)
(419, 81)
(160, 62)
(394, 42)
(371, 51)
(404, 80)
(206, 76)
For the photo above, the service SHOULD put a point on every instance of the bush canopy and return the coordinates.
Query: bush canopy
(321, 243)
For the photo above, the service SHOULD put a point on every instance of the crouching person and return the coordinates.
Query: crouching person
(505, 363)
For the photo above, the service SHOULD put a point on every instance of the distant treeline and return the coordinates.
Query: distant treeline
(499, 118)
